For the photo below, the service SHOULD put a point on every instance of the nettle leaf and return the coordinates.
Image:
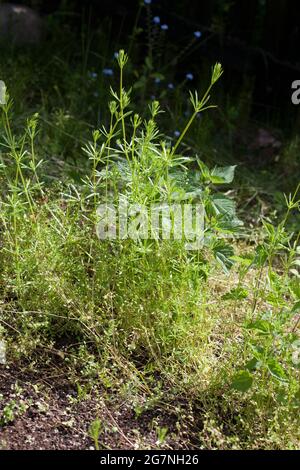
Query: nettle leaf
(239, 293)
(277, 370)
(258, 351)
(253, 364)
(222, 175)
(242, 381)
(261, 325)
(223, 253)
(226, 225)
(223, 205)
(225, 211)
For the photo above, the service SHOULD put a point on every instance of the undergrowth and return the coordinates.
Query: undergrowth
(216, 325)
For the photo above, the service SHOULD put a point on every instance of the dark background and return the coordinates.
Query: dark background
(258, 41)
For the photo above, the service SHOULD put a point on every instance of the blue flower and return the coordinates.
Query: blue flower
(164, 27)
(108, 72)
(92, 74)
(156, 19)
(176, 133)
(197, 34)
(157, 80)
(116, 55)
(189, 76)
(152, 97)
(170, 86)
(147, 2)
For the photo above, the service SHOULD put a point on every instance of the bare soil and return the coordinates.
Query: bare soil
(41, 410)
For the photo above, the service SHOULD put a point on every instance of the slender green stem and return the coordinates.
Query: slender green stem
(198, 108)
(122, 105)
(184, 132)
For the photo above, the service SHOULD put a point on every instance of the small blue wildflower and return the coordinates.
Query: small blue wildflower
(164, 27)
(116, 55)
(197, 34)
(189, 76)
(176, 133)
(170, 86)
(157, 80)
(156, 20)
(152, 97)
(93, 74)
(108, 72)
(147, 2)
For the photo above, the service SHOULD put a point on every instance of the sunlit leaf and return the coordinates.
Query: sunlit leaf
(277, 370)
(223, 175)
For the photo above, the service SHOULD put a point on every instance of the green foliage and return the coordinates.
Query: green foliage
(242, 381)
(95, 431)
(215, 325)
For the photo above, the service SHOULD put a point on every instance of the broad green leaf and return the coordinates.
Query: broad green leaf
(223, 254)
(236, 294)
(261, 325)
(242, 381)
(253, 364)
(222, 175)
(223, 205)
(277, 370)
(258, 351)
(228, 225)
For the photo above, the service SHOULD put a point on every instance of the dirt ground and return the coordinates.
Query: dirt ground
(42, 411)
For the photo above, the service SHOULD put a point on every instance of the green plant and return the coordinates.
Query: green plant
(95, 431)
(161, 434)
(12, 409)
(150, 320)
